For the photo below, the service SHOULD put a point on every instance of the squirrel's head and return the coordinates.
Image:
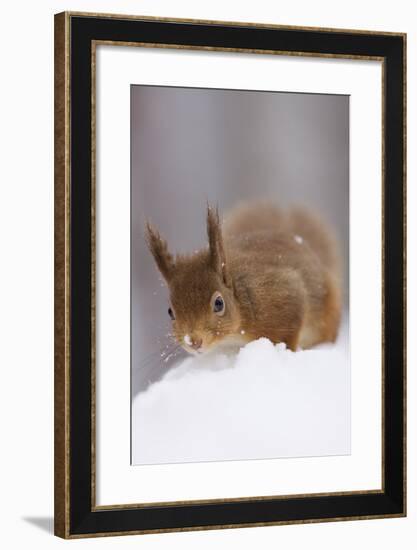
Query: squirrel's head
(203, 309)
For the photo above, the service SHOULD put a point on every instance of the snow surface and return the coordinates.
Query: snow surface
(263, 402)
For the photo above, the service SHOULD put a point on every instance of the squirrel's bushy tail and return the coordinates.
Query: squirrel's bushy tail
(318, 235)
(256, 216)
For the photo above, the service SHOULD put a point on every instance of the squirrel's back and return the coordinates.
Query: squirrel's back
(291, 257)
(262, 217)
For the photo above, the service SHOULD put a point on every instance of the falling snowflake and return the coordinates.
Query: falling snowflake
(298, 239)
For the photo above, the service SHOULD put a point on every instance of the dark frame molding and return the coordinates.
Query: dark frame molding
(75, 512)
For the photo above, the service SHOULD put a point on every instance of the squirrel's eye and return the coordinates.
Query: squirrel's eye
(218, 305)
(171, 313)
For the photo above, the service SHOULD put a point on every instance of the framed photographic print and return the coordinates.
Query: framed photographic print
(229, 275)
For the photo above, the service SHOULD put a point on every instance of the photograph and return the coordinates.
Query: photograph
(239, 275)
(229, 267)
(209, 258)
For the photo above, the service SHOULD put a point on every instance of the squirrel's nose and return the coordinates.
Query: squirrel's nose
(196, 343)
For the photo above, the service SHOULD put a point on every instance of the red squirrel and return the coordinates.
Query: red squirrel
(266, 272)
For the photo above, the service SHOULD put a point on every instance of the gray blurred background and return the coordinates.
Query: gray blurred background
(190, 145)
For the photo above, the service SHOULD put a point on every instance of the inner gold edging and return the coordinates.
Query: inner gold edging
(94, 44)
(383, 77)
(232, 50)
(405, 274)
(234, 499)
(93, 276)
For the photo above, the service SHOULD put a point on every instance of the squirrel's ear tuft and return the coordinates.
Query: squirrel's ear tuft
(159, 249)
(215, 238)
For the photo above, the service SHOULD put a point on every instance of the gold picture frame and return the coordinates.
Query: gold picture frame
(75, 236)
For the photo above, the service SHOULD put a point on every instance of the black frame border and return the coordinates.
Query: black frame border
(76, 516)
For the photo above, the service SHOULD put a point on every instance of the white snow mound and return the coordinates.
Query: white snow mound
(263, 402)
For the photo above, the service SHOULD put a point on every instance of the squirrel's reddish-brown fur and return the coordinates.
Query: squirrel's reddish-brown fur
(278, 273)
